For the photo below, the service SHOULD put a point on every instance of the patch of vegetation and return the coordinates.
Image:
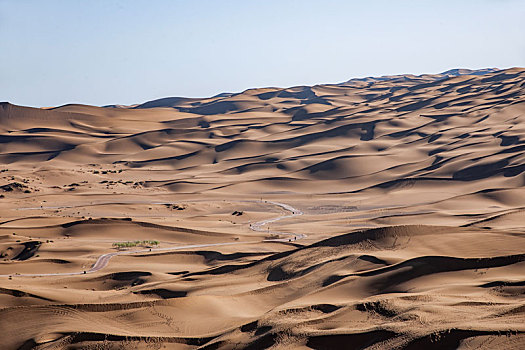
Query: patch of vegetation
(106, 171)
(175, 206)
(130, 244)
(13, 186)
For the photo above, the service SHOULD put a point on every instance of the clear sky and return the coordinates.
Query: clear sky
(55, 52)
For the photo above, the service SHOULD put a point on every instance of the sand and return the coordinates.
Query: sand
(379, 213)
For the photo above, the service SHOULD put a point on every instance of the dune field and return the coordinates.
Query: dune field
(378, 213)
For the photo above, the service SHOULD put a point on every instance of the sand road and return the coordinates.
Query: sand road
(103, 260)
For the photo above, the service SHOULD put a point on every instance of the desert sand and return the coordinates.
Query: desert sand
(379, 213)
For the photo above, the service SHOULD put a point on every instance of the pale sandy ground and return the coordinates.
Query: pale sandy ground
(412, 190)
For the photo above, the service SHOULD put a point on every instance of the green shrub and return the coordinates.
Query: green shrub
(130, 244)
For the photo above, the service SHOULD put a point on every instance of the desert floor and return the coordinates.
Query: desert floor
(380, 213)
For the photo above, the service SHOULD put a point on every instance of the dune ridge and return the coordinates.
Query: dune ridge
(377, 213)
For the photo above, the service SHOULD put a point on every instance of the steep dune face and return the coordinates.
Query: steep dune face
(379, 213)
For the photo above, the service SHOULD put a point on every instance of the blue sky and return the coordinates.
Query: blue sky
(55, 52)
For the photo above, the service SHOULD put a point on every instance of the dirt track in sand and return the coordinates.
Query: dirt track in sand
(104, 259)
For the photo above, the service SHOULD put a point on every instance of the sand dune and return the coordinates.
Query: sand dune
(410, 190)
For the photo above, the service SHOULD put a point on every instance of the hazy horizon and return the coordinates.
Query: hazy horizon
(268, 86)
(116, 52)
